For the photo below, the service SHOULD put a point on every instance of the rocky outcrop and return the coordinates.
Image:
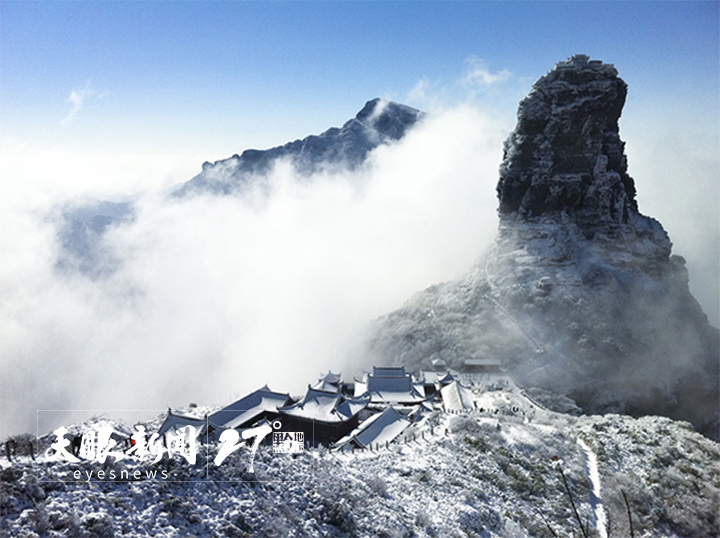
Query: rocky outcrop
(580, 293)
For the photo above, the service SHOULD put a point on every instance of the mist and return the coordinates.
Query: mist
(217, 296)
(214, 297)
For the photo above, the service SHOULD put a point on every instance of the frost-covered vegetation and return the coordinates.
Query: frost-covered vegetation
(495, 473)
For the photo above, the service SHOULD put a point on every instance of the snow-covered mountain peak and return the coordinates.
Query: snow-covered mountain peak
(388, 118)
(82, 226)
(379, 122)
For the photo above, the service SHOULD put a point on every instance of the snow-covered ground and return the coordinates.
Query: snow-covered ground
(600, 520)
(490, 473)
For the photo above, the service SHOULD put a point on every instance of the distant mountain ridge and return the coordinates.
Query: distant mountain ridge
(82, 228)
(380, 121)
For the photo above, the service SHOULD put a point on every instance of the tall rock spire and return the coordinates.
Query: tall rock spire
(565, 156)
(580, 294)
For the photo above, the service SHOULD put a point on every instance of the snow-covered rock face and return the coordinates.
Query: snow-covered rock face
(565, 155)
(580, 293)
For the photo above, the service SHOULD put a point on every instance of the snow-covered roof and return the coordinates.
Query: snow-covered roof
(349, 407)
(389, 384)
(393, 385)
(324, 406)
(443, 378)
(325, 386)
(246, 410)
(360, 388)
(329, 382)
(389, 371)
(175, 422)
(378, 429)
(333, 379)
(456, 397)
(446, 379)
(415, 395)
(426, 406)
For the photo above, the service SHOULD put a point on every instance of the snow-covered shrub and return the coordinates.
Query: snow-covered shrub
(275, 526)
(9, 501)
(40, 519)
(422, 519)
(434, 419)
(449, 531)
(181, 510)
(98, 525)
(23, 444)
(511, 529)
(239, 524)
(232, 531)
(477, 521)
(28, 534)
(394, 532)
(66, 521)
(339, 514)
(520, 480)
(378, 485)
(336, 501)
(424, 476)
(11, 474)
(464, 423)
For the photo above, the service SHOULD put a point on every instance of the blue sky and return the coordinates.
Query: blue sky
(109, 100)
(204, 76)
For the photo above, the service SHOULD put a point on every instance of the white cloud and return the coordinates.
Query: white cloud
(674, 161)
(420, 91)
(218, 296)
(77, 100)
(477, 85)
(479, 76)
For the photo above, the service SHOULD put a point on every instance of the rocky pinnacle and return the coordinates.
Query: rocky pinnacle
(580, 294)
(565, 156)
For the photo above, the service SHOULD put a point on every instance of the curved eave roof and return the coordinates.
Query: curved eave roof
(324, 406)
(378, 429)
(248, 408)
(175, 422)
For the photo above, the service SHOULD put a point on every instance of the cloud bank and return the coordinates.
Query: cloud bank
(216, 296)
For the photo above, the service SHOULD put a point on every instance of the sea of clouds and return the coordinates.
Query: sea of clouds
(214, 297)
